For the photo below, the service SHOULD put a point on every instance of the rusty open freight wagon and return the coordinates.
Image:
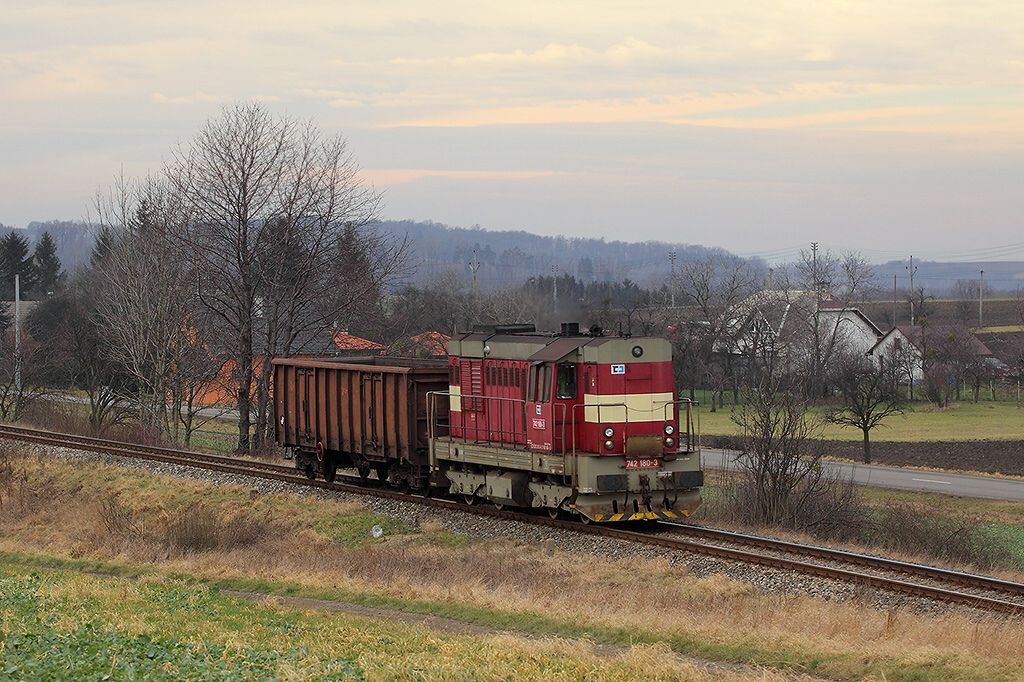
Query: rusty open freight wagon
(368, 414)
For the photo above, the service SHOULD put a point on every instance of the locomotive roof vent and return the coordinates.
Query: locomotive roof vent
(515, 328)
(570, 329)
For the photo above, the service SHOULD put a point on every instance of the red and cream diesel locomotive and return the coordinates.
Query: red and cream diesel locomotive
(585, 423)
(571, 423)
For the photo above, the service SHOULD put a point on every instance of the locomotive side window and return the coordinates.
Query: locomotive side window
(545, 384)
(566, 389)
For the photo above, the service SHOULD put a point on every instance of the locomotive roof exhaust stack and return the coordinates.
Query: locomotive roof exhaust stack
(570, 329)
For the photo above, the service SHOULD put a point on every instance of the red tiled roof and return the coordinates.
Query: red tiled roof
(435, 343)
(346, 341)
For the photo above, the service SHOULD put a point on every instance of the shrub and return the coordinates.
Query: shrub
(199, 529)
(830, 509)
(915, 529)
(120, 520)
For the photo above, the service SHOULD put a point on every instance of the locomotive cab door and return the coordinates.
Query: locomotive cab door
(566, 392)
(539, 427)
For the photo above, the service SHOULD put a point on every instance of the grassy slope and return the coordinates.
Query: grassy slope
(61, 625)
(321, 548)
(965, 421)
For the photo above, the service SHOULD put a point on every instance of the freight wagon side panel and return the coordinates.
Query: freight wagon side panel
(363, 409)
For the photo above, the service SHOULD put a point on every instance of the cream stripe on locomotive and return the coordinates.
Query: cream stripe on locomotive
(455, 398)
(641, 407)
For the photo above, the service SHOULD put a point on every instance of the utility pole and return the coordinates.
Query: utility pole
(911, 269)
(895, 298)
(672, 281)
(814, 270)
(17, 334)
(554, 290)
(981, 297)
(474, 265)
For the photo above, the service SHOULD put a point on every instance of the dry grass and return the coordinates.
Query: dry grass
(836, 512)
(295, 546)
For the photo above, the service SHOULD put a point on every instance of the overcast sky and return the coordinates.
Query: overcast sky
(891, 127)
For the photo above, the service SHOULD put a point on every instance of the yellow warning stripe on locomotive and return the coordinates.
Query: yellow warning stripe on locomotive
(641, 516)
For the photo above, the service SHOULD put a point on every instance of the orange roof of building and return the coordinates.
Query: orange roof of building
(346, 341)
(435, 343)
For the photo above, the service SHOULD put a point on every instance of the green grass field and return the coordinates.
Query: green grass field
(922, 422)
(1003, 328)
(67, 625)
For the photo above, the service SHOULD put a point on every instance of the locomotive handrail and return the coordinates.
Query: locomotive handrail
(693, 444)
(432, 397)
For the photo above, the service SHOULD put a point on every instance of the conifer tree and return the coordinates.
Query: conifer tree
(103, 245)
(47, 266)
(15, 260)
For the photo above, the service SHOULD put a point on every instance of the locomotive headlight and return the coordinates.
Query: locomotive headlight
(609, 432)
(669, 429)
(669, 442)
(608, 445)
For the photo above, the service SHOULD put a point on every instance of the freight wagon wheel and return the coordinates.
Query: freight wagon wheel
(498, 506)
(363, 471)
(469, 499)
(309, 471)
(553, 512)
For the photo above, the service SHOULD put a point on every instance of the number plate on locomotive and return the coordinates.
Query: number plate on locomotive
(645, 463)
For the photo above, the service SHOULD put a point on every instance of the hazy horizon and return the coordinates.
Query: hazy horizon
(888, 130)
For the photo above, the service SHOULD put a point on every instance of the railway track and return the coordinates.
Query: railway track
(918, 580)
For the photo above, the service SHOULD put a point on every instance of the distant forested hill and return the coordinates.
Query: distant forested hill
(511, 257)
(505, 257)
(74, 239)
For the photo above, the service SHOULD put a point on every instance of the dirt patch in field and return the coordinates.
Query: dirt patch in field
(988, 456)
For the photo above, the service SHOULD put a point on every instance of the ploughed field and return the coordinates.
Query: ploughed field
(986, 437)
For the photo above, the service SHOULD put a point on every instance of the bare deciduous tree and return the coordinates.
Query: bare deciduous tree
(779, 458)
(273, 203)
(24, 377)
(869, 393)
(704, 335)
(144, 292)
(826, 276)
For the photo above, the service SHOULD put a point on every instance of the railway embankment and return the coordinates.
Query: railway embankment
(156, 520)
(986, 456)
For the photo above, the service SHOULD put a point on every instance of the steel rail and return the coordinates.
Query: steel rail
(670, 541)
(945, 575)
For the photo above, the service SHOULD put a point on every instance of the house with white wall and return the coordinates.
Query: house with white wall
(781, 322)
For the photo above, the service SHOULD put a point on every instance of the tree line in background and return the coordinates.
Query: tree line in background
(251, 242)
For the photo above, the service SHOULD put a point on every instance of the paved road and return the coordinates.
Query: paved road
(963, 485)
